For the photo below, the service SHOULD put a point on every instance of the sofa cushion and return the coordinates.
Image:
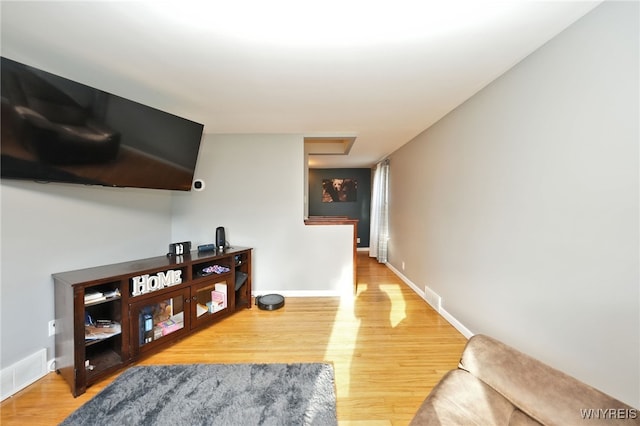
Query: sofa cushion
(462, 399)
(544, 393)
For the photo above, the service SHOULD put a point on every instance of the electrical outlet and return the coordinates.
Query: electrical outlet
(358, 240)
(52, 327)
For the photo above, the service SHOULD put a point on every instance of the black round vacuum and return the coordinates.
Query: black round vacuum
(270, 302)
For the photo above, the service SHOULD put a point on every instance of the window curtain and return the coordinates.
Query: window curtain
(379, 232)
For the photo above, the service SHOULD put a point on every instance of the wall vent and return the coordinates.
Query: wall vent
(432, 298)
(23, 373)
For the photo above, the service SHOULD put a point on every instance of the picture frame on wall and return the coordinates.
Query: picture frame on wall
(337, 190)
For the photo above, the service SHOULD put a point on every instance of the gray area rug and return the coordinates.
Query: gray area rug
(215, 394)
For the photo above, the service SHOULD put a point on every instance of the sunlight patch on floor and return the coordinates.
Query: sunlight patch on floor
(398, 306)
(342, 342)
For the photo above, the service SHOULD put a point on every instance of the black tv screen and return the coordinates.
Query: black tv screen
(58, 130)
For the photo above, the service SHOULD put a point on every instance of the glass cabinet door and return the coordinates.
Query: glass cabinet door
(211, 298)
(159, 319)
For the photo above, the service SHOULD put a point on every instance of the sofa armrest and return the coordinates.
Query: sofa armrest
(544, 393)
(460, 398)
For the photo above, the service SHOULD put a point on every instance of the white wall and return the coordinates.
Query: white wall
(49, 228)
(254, 188)
(520, 208)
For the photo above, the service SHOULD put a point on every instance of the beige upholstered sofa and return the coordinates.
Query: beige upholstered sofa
(498, 385)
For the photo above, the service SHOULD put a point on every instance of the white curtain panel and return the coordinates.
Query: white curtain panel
(379, 232)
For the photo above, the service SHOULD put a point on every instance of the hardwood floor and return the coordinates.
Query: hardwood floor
(388, 348)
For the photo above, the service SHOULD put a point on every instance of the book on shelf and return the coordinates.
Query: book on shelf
(218, 298)
(222, 289)
(101, 323)
(93, 296)
(97, 296)
(94, 332)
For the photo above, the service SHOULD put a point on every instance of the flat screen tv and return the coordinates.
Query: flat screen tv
(58, 130)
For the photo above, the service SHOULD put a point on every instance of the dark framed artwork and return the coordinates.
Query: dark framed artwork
(339, 190)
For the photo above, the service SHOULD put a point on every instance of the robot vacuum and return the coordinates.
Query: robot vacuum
(270, 302)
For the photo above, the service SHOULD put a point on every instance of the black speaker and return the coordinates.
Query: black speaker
(177, 249)
(221, 240)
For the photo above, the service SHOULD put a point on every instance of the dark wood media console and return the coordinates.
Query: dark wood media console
(109, 316)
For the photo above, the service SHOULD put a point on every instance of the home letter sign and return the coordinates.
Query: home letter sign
(147, 283)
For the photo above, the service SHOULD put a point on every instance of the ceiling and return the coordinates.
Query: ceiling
(374, 73)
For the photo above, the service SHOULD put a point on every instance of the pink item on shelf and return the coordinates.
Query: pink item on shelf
(218, 300)
(169, 326)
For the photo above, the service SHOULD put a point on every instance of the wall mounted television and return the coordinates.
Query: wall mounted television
(57, 130)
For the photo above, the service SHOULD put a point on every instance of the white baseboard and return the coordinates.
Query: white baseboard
(299, 293)
(434, 300)
(406, 280)
(457, 324)
(23, 373)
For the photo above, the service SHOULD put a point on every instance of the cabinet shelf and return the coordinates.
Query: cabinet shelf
(101, 301)
(93, 335)
(101, 363)
(214, 277)
(89, 342)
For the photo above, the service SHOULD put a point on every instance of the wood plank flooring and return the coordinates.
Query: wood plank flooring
(388, 348)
